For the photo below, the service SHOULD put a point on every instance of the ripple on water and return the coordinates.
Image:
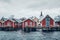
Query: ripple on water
(29, 36)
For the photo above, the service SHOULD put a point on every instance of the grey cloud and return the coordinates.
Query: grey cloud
(27, 8)
(45, 4)
(5, 0)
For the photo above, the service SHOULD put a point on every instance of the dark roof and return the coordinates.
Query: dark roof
(57, 18)
(28, 19)
(17, 20)
(46, 17)
(3, 19)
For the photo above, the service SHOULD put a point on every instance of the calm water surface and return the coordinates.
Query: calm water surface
(19, 35)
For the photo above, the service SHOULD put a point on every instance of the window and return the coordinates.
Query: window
(47, 22)
(47, 19)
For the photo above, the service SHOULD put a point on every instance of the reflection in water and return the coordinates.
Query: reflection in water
(29, 36)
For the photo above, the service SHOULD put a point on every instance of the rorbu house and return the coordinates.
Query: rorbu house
(10, 23)
(28, 23)
(37, 21)
(57, 21)
(47, 21)
(19, 23)
(2, 21)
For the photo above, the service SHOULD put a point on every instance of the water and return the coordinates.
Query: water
(19, 35)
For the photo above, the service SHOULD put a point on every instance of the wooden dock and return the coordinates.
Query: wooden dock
(49, 28)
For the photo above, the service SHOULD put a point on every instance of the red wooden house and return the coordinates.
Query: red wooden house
(47, 22)
(10, 23)
(19, 23)
(28, 23)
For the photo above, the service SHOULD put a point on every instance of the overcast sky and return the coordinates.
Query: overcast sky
(28, 8)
